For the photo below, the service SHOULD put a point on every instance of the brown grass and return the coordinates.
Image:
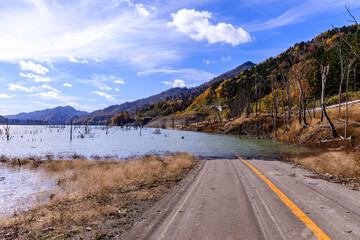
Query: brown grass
(95, 198)
(337, 163)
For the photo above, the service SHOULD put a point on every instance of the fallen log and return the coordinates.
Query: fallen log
(349, 122)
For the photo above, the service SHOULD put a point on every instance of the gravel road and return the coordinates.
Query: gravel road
(226, 199)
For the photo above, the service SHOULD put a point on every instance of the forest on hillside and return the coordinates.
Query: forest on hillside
(304, 76)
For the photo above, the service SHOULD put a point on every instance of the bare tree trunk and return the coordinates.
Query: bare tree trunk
(333, 130)
(346, 103)
(300, 107)
(305, 105)
(355, 78)
(256, 106)
(267, 116)
(298, 76)
(347, 97)
(314, 107)
(322, 114)
(276, 106)
(71, 129)
(342, 74)
(324, 74)
(289, 104)
(284, 111)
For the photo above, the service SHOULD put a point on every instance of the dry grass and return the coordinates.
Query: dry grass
(102, 195)
(338, 163)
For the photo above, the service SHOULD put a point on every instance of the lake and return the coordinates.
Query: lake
(40, 141)
(18, 186)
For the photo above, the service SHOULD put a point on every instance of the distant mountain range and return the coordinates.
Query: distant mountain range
(51, 116)
(66, 114)
(173, 94)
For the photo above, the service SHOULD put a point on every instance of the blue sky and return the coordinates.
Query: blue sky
(91, 54)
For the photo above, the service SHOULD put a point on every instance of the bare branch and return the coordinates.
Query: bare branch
(356, 23)
(349, 45)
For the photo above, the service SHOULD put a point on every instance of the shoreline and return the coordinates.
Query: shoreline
(96, 199)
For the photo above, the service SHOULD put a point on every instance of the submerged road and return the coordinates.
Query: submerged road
(255, 199)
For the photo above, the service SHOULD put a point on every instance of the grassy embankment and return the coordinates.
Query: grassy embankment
(95, 199)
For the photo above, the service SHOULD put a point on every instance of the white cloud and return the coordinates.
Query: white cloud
(73, 104)
(299, 13)
(100, 81)
(119, 82)
(19, 88)
(116, 89)
(91, 29)
(142, 10)
(207, 61)
(196, 25)
(223, 59)
(106, 88)
(41, 7)
(226, 59)
(47, 95)
(30, 66)
(105, 95)
(74, 60)
(36, 78)
(47, 87)
(16, 87)
(67, 85)
(194, 76)
(177, 83)
(3, 95)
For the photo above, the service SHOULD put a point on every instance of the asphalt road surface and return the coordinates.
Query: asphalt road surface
(255, 199)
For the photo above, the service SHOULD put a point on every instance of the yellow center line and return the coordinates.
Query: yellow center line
(305, 219)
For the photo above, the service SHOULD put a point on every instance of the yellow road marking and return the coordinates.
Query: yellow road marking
(305, 219)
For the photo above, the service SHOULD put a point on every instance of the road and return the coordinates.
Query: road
(254, 199)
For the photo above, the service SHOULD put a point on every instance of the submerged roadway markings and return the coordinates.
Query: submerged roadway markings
(305, 219)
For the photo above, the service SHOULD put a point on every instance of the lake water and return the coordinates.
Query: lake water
(19, 185)
(20, 188)
(41, 141)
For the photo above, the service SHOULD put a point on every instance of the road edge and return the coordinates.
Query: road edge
(154, 216)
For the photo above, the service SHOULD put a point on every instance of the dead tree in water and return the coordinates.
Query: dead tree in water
(71, 129)
(7, 130)
(324, 75)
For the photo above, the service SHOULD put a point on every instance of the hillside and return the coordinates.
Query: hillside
(52, 116)
(280, 98)
(273, 85)
(172, 95)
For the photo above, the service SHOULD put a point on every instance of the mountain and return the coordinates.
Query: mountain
(52, 116)
(100, 116)
(278, 78)
(230, 74)
(173, 94)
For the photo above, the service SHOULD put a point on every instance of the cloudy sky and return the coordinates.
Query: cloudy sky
(91, 54)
